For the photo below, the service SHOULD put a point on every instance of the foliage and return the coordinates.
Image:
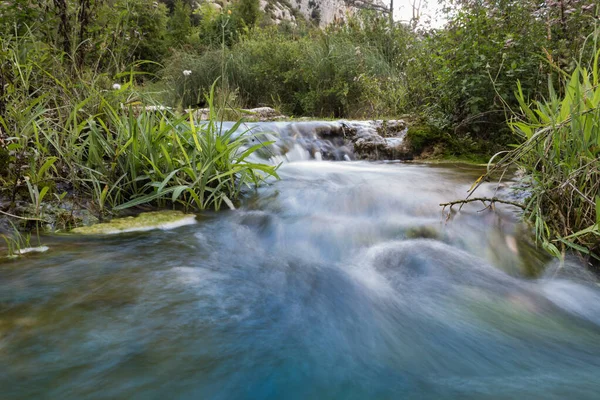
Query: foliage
(180, 24)
(461, 77)
(77, 136)
(139, 30)
(561, 154)
(163, 159)
(17, 16)
(16, 242)
(315, 73)
(103, 35)
(217, 28)
(473, 63)
(248, 12)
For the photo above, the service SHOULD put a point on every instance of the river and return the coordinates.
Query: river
(343, 280)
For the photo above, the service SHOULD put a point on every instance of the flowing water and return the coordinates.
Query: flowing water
(340, 281)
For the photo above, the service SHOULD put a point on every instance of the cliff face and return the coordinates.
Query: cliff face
(322, 11)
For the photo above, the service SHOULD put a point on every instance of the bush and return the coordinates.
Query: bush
(317, 74)
(180, 23)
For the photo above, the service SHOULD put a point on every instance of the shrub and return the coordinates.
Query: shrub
(318, 74)
(180, 24)
(561, 154)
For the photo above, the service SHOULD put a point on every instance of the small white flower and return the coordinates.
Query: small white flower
(187, 72)
(116, 86)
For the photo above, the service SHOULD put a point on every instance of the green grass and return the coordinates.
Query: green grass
(62, 129)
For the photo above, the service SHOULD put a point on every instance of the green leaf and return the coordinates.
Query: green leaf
(43, 194)
(228, 201)
(177, 192)
(142, 200)
(47, 165)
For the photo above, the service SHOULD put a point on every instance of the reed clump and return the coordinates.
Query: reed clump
(560, 154)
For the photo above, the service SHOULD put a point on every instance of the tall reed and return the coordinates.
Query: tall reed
(561, 155)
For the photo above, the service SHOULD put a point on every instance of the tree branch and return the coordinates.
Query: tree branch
(491, 200)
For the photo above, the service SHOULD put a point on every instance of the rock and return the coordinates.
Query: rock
(338, 140)
(391, 128)
(264, 114)
(381, 140)
(324, 12)
(40, 249)
(143, 222)
(21, 252)
(378, 148)
(216, 6)
(422, 232)
(260, 114)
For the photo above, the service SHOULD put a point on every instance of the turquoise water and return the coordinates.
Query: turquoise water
(341, 281)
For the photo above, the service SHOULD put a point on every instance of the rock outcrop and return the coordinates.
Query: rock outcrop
(379, 140)
(323, 12)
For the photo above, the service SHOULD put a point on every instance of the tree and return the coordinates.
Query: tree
(171, 4)
(248, 11)
(180, 26)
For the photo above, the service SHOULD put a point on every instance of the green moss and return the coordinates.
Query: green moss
(422, 232)
(143, 222)
(429, 142)
(419, 137)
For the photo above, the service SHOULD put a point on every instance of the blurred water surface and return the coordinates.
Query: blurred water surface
(341, 281)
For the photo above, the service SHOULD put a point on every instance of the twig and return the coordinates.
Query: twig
(492, 200)
(24, 218)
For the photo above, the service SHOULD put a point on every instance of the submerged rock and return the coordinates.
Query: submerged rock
(423, 232)
(143, 222)
(39, 249)
(21, 252)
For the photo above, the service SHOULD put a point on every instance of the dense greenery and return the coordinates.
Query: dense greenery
(459, 79)
(65, 136)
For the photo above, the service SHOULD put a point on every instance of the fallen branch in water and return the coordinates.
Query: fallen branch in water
(490, 200)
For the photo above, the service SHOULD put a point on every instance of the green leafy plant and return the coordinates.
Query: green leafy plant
(561, 154)
(196, 165)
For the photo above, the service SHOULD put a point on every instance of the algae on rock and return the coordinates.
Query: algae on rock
(143, 222)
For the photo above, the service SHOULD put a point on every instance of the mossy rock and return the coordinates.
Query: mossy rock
(421, 136)
(422, 232)
(143, 222)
